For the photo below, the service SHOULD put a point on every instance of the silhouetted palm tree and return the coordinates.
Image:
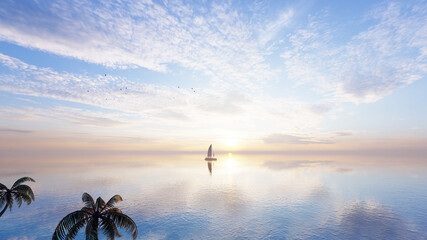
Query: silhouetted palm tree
(18, 192)
(96, 216)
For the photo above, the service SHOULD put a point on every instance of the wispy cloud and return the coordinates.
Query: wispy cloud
(13, 130)
(227, 48)
(321, 108)
(271, 29)
(388, 55)
(213, 38)
(60, 113)
(84, 117)
(221, 42)
(343, 133)
(104, 91)
(342, 170)
(230, 109)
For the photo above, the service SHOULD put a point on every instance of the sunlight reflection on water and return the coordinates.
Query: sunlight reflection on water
(256, 197)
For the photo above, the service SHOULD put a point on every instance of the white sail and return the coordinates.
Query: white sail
(210, 151)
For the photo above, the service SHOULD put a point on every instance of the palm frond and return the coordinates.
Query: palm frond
(115, 199)
(67, 223)
(109, 228)
(5, 198)
(88, 200)
(99, 205)
(88, 210)
(2, 187)
(21, 180)
(91, 230)
(19, 197)
(25, 190)
(123, 221)
(117, 210)
(72, 232)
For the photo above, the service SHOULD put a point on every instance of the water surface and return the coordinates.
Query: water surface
(238, 197)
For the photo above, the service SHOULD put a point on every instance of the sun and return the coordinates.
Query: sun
(230, 142)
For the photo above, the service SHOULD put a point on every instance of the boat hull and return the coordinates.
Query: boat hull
(210, 159)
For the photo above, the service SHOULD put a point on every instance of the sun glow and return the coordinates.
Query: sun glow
(230, 142)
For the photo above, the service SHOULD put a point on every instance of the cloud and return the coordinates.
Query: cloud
(221, 44)
(291, 139)
(226, 108)
(320, 108)
(171, 114)
(213, 39)
(340, 169)
(373, 63)
(70, 114)
(12, 130)
(271, 29)
(103, 91)
(82, 117)
(343, 133)
(228, 102)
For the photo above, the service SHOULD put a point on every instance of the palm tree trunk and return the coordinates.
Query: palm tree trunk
(4, 210)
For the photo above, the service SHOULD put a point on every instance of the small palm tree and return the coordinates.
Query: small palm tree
(96, 216)
(18, 192)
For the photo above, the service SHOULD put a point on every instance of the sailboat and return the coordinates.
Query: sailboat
(211, 155)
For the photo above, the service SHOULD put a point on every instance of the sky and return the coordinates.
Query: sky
(243, 75)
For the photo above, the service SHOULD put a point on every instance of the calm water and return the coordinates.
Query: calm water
(245, 197)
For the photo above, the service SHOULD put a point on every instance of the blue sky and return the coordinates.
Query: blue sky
(235, 73)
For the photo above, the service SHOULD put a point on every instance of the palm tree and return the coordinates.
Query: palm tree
(18, 192)
(96, 216)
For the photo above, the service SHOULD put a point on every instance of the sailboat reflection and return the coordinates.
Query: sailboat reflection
(210, 158)
(209, 166)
